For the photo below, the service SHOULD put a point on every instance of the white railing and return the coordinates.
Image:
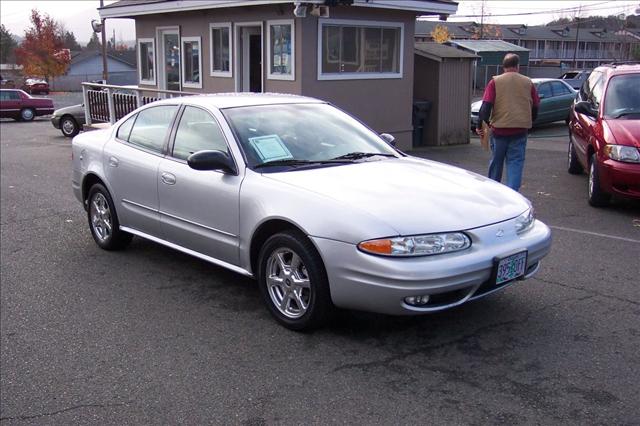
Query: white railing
(107, 103)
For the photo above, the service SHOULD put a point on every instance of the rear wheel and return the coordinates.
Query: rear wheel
(293, 281)
(573, 165)
(27, 114)
(69, 127)
(597, 197)
(103, 220)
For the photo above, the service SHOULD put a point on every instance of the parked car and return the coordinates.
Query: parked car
(35, 85)
(19, 105)
(69, 120)
(575, 78)
(556, 97)
(604, 133)
(317, 207)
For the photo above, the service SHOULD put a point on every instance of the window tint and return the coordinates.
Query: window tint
(125, 129)
(559, 89)
(150, 129)
(544, 90)
(197, 131)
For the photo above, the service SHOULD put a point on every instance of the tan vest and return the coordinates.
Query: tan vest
(512, 108)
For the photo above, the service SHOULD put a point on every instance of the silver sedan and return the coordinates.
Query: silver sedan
(320, 209)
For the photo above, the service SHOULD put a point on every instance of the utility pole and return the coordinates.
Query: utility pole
(482, 20)
(105, 71)
(575, 49)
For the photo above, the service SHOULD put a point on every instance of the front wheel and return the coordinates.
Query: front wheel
(103, 220)
(597, 197)
(69, 127)
(293, 281)
(27, 114)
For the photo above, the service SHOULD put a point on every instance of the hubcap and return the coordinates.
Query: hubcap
(288, 283)
(591, 183)
(27, 114)
(68, 126)
(101, 217)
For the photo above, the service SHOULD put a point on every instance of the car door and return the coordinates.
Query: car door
(131, 163)
(199, 210)
(562, 98)
(582, 129)
(9, 104)
(545, 94)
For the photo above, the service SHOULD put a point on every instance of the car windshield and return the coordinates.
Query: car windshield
(623, 97)
(569, 75)
(299, 134)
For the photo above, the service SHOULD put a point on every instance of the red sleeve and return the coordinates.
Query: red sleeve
(490, 93)
(534, 96)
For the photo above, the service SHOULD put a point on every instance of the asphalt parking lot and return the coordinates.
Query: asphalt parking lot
(152, 336)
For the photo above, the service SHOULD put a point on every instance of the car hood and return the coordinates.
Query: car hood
(624, 131)
(73, 110)
(475, 107)
(412, 195)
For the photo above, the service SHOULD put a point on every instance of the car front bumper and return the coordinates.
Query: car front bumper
(620, 178)
(55, 121)
(380, 284)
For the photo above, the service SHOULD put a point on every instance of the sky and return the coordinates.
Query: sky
(76, 15)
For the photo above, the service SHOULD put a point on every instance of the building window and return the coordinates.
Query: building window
(281, 50)
(359, 50)
(191, 62)
(146, 61)
(220, 50)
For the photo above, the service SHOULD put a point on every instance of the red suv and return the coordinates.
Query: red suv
(604, 132)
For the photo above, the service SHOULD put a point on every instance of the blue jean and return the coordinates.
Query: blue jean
(509, 150)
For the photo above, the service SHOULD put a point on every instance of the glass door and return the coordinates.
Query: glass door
(170, 59)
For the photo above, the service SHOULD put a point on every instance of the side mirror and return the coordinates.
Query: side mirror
(388, 138)
(212, 160)
(586, 108)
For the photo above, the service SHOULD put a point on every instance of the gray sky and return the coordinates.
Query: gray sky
(76, 15)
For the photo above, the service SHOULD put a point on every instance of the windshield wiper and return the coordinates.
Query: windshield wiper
(357, 155)
(292, 162)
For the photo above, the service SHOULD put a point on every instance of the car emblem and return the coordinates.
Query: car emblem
(500, 233)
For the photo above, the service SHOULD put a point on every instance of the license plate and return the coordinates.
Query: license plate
(511, 267)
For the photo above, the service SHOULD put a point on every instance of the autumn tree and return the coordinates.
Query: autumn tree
(42, 51)
(7, 46)
(487, 32)
(441, 34)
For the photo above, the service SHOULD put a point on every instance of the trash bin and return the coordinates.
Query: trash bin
(419, 120)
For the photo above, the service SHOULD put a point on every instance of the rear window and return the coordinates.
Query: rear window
(568, 75)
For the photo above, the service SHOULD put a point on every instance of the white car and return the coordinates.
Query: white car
(317, 207)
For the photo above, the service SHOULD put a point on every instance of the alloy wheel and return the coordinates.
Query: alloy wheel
(101, 220)
(68, 126)
(288, 283)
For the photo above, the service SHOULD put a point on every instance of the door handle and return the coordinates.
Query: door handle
(168, 178)
(113, 161)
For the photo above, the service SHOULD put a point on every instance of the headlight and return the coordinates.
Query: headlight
(417, 245)
(525, 221)
(628, 154)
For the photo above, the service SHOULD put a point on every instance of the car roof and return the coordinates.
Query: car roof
(544, 80)
(234, 100)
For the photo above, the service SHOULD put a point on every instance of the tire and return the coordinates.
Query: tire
(293, 281)
(69, 126)
(103, 220)
(597, 197)
(573, 165)
(27, 114)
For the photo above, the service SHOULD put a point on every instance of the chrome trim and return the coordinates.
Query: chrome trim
(198, 224)
(206, 258)
(124, 200)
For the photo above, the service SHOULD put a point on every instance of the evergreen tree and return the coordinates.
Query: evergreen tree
(7, 46)
(70, 42)
(94, 43)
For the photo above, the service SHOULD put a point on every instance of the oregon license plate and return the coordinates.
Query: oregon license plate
(510, 267)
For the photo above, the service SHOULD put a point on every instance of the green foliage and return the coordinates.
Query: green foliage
(70, 42)
(94, 43)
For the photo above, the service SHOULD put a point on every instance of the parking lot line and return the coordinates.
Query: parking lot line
(580, 231)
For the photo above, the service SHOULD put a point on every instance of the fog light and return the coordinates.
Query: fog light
(417, 300)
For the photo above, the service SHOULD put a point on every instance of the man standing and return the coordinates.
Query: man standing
(509, 106)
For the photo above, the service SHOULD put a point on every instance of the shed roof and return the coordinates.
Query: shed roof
(438, 52)
(479, 46)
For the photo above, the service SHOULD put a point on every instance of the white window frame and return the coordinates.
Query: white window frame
(360, 75)
(280, 76)
(185, 83)
(155, 68)
(212, 72)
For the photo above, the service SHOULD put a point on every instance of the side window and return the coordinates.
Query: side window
(150, 129)
(4, 96)
(544, 90)
(197, 131)
(125, 129)
(589, 86)
(559, 89)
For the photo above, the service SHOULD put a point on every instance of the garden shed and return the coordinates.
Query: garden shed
(442, 76)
